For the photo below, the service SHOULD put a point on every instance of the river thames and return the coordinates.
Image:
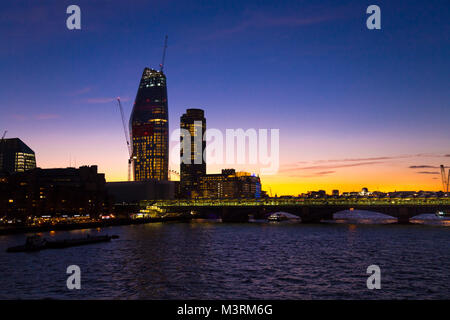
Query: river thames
(255, 260)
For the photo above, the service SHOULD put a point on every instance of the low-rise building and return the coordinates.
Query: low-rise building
(54, 192)
(230, 184)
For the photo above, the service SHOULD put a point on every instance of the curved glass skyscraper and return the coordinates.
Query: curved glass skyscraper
(149, 126)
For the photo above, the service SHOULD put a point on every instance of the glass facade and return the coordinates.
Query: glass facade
(16, 156)
(194, 122)
(149, 126)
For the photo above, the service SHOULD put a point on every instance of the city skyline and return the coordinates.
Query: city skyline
(348, 119)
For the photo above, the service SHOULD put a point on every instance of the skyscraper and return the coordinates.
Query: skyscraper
(192, 167)
(149, 126)
(16, 156)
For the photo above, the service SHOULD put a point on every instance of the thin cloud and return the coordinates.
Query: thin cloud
(41, 116)
(322, 173)
(259, 20)
(18, 117)
(331, 167)
(313, 175)
(427, 172)
(404, 156)
(104, 100)
(47, 116)
(80, 91)
(332, 164)
(423, 167)
(357, 159)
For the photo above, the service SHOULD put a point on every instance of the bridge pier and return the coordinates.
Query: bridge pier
(234, 215)
(310, 220)
(403, 216)
(309, 216)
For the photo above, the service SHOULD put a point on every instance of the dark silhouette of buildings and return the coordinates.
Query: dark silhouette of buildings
(54, 192)
(192, 164)
(135, 191)
(16, 156)
(149, 128)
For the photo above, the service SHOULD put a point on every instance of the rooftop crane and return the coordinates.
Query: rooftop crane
(161, 66)
(127, 139)
(4, 134)
(445, 178)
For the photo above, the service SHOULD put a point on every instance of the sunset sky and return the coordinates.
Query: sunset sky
(355, 107)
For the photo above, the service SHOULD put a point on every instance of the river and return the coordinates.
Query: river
(255, 260)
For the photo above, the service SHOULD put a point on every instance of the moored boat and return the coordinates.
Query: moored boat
(36, 243)
(277, 217)
(442, 214)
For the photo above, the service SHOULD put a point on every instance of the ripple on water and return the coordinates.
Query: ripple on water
(231, 261)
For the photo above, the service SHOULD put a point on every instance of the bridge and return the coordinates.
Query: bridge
(309, 210)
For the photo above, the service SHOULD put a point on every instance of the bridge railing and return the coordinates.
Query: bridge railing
(299, 202)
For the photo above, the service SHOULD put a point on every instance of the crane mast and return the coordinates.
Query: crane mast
(448, 181)
(127, 139)
(161, 66)
(445, 179)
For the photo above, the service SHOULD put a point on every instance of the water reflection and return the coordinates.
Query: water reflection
(258, 260)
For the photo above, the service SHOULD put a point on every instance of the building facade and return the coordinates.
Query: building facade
(54, 192)
(230, 185)
(16, 156)
(149, 126)
(192, 162)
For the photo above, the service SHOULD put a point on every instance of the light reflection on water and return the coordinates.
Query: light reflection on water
(259, 260)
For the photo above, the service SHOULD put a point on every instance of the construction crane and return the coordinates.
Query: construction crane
(4, 134)
(445, 178)
(127, 139)
(161, 66)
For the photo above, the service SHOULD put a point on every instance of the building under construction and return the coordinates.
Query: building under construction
(149, 126)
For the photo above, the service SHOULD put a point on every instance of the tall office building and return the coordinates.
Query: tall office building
(149, 126)
(16, 156)
(193, 166)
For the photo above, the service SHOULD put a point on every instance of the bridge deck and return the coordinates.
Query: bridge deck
(299, 202)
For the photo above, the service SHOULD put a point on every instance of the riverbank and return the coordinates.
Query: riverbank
(88, 225)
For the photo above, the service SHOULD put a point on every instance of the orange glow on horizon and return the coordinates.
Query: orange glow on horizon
(385, 179)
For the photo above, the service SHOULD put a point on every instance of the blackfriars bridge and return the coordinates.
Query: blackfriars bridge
(309, 210)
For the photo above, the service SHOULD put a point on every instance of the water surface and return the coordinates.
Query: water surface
(259, 260)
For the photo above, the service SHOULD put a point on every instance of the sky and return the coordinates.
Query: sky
(355, 107)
